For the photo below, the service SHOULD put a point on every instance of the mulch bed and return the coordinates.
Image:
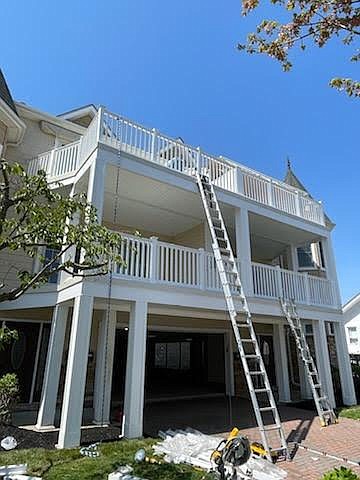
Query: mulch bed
(30, 439)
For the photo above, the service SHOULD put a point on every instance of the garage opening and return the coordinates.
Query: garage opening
(178, 365)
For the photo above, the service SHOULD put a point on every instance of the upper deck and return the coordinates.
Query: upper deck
(64, 162)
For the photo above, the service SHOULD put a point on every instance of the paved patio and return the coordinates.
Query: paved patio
(301, 426)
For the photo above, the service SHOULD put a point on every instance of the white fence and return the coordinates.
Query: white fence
(57, 163)
(160, 262)
(153, 146)
(274, 282)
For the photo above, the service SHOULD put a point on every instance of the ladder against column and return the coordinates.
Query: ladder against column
(323, 407)
(265, 409)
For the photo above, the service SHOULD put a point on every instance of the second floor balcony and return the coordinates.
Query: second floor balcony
(135, 140)
(151, 260)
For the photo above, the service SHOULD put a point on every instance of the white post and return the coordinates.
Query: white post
(73, 398)
(281, 362)
(243, 248)
(154, 259)
(239, 181)
(297, 204)
(270, 192)
(323, 359)
(330, 266)
(343, 358)
(294, 258)
(135, 371)
(307, 289)
(96, 186)
(229, 364)
(104, 367)
(201, 269)
(152, 151)
(46, 413)
(279, 282)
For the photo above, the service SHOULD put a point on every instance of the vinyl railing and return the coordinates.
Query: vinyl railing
(58, 163)
(149, 144)
(164, 263)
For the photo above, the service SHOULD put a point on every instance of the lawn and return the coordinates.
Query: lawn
(70, 465)
(350, 412)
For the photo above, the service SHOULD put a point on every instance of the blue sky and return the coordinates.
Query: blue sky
(173, 65)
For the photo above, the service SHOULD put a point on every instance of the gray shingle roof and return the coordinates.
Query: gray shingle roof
(5, 94)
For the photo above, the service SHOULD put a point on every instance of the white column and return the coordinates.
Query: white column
(73, 398)
(294, 258)
(104, 367)
(96, 186)
(343, 358)
(281, 363)
(229, 364)
(330, 266)
(135, 371)
(323, 359)
(243, 248)
(207, 238)
(46, 413)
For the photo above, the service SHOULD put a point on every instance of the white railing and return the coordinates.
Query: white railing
(274, 282)
(58, 163)
(149, 144)
(165, 263)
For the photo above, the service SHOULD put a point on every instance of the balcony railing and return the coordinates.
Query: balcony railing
(155, 147)
(154, 261)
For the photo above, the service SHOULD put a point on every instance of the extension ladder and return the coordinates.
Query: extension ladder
(323, 407)
(265, 409)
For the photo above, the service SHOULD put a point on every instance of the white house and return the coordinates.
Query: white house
(351, 311)
(162, 329)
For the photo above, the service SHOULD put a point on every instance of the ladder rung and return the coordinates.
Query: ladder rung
(248, 340)
(317, 385)
(243, 325)
(267, 409)
(321, 399)
(261, 390)
(252, 356)
(271, 427)
(257, 372)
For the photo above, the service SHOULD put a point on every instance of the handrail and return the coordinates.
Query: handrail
(169, 263)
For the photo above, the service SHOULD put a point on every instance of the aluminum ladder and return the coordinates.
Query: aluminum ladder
(326, 413)
(265, 409)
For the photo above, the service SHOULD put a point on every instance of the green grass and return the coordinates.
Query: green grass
(70, 465)
(350, 412)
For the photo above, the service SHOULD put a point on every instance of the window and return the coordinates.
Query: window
(172, 355)
(352, 332)
(305, 259)
(49, 254)
(311, 256)
(308, 329)
(330, 328)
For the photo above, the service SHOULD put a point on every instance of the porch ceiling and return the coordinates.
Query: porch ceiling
(151, 205)
(272, 231)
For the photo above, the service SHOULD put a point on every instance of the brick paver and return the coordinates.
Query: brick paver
(214, 416)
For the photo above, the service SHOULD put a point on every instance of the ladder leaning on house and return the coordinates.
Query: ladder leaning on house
(265, 409)
(323, 407)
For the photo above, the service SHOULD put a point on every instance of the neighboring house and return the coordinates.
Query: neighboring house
(351, 311)
(164, 317)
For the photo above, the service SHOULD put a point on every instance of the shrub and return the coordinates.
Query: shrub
(341, 473)
(9, 392)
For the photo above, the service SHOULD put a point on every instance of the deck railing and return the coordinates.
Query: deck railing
(149, 144)
(165, 263)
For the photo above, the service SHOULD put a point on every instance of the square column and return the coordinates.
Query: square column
(135, 371)
(323, 360)
(281, 363)
(343, 357)
(243, 248)
(96, 186)
(47, 409)
(104, 367)
(330, 266)
(73, 398)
